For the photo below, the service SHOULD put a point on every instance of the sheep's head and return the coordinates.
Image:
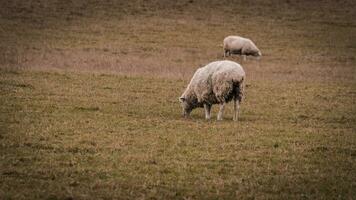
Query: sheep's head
(187, 108)
(256, 53)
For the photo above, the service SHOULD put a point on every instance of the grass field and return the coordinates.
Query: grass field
(89, 101)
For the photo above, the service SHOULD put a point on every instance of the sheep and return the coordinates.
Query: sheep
(218, 82)
(241, 46)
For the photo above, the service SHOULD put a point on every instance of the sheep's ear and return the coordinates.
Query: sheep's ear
(181, 99)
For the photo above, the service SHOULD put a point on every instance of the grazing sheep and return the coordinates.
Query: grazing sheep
(216, 83)
(241, 46)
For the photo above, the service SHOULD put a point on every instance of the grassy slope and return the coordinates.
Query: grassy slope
(65, 134)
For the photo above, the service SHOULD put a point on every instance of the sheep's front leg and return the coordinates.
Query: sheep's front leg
(236, 109)
(207, 109)
(220, 114)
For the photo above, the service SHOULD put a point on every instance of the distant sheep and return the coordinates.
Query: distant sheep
(241, 46)
(218, 82)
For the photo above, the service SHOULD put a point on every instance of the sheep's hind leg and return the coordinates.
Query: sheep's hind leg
(236, 109)
(226, 53)
(220, 114)
(207, 109)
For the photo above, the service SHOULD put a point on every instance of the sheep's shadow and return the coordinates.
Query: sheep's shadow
(197, 117)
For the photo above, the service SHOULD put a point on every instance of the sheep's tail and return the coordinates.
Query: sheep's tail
(240, 90)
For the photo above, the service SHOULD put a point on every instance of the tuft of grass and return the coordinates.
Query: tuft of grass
(87, 108)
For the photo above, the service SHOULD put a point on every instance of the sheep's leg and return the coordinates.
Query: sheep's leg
(220, 114)
(236, 109)
(207, 109)
(226, 53)
(240, 57)
(244, 57)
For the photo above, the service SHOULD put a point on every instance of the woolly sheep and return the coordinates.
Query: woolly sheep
(218, 82)
(241, 46)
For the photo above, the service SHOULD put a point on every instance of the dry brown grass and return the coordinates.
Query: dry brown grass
(72, 129)
(85, 136)
(172, 39)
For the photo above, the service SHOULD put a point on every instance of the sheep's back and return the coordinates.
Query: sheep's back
(215, 78)
(234, 42)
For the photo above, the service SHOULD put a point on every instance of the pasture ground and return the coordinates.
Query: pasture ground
(89, 101)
